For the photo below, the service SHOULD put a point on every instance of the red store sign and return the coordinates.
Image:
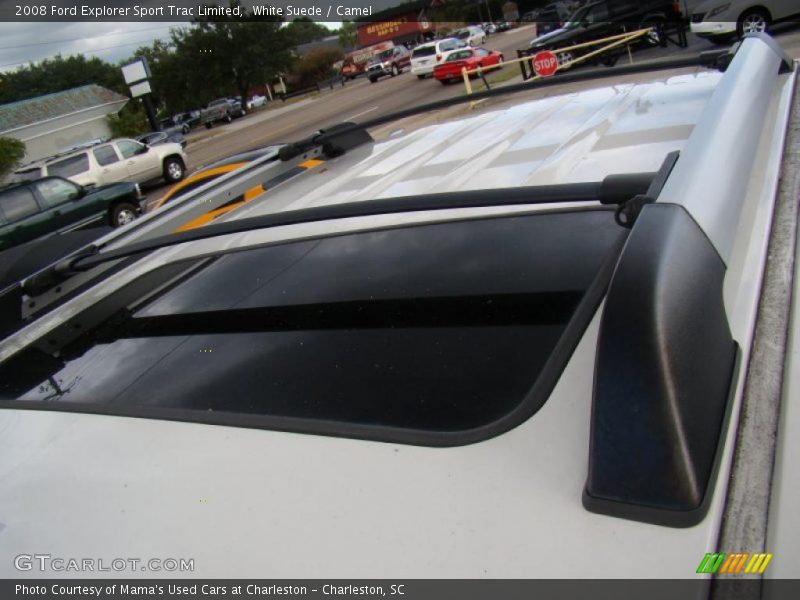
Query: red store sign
(372, 33)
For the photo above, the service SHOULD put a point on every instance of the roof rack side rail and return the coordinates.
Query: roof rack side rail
(666, 356)
(712, 179)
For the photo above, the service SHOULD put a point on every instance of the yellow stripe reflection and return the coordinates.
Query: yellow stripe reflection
(199, 176)
(253, 192)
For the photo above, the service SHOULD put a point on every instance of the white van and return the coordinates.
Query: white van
(426, 56)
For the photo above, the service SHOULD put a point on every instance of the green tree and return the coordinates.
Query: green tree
(234, 52)
(130, 121)
(11, 153)
(452, 12)
(315, 66)
(303, 30)
(58, 74)
(196, 73)
(348, 36)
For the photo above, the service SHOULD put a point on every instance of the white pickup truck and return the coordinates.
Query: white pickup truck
(543, 340)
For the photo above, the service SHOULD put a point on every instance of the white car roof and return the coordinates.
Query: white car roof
(436, 43)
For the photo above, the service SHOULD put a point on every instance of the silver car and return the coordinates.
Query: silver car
(720, 20)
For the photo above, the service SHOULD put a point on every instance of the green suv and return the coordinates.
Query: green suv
(32, 209)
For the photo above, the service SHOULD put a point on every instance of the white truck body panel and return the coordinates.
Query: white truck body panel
(255, 503)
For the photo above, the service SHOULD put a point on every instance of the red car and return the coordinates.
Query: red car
(469, 58)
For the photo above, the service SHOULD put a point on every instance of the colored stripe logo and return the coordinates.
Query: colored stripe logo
(735, 563)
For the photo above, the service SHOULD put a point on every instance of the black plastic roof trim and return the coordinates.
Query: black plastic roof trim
(664, 368)
(675, 518)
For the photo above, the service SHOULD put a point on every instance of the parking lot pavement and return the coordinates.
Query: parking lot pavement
(256, 117)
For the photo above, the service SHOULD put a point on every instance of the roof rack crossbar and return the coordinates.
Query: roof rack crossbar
(614, 189)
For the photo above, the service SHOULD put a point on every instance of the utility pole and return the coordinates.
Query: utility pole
(147, 100)
(489, 11)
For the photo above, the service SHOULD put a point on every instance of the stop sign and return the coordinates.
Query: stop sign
(545, 63)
